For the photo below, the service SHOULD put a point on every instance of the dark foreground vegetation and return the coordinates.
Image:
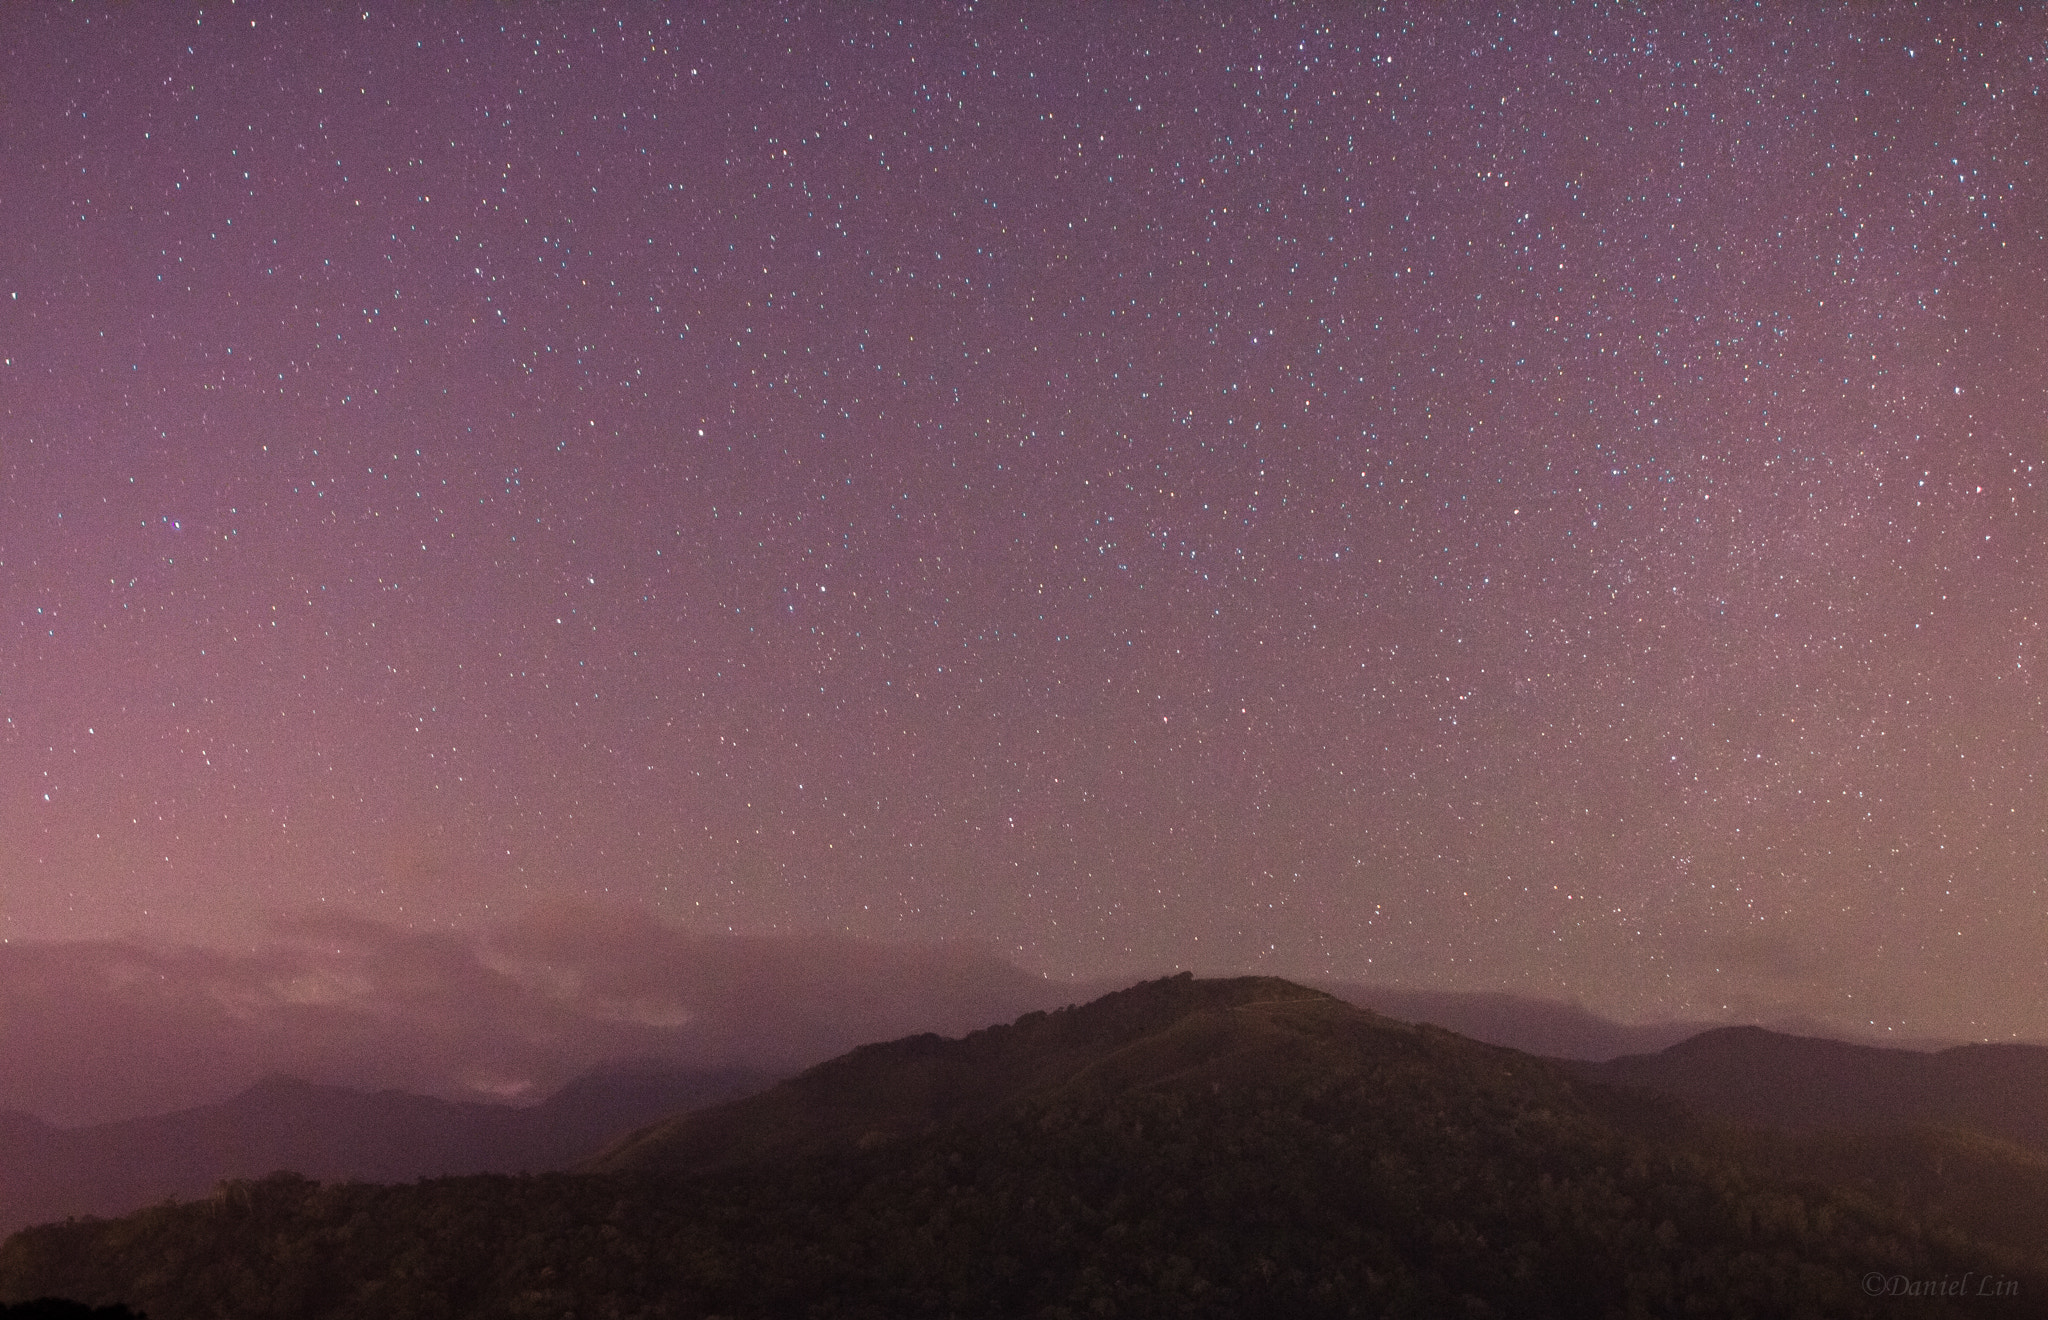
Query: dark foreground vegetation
(1228, 1149)
(63, 1308)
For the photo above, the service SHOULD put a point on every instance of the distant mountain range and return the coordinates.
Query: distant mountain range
(1764, 1077)
(1231, 1148)
(1961, 1134)
(1534, 1026)
(328, 1133)
(99, 1031)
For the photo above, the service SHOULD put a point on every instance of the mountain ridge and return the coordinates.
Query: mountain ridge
(1244, 1147)
(327, 1132)
(1758, 1076)
(925, 1065)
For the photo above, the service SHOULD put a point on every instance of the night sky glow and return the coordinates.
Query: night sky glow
(1530, 499)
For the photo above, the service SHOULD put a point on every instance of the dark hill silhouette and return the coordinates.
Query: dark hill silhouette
(1192, 1148)
(1752, 1075)
(327, 1132)
(906, 1087)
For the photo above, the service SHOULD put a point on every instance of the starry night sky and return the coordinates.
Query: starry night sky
(1530, 499)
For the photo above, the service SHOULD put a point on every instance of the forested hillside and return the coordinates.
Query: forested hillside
(1227, 1149)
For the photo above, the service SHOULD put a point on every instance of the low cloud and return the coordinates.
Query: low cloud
(98, 1030)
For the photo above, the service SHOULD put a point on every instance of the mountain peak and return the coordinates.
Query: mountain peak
(1155, 1033)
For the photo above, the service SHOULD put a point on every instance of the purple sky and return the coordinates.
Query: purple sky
(1486, 499)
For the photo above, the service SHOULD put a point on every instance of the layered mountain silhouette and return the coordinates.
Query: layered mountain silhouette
(332, 1132)
(1534, 1026)
(1181, 1029)
(1765, 1077)
(1229, 1148)
(327, 1132)
(1960, 1134)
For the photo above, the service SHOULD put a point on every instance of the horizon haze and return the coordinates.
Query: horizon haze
(110, 1030)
